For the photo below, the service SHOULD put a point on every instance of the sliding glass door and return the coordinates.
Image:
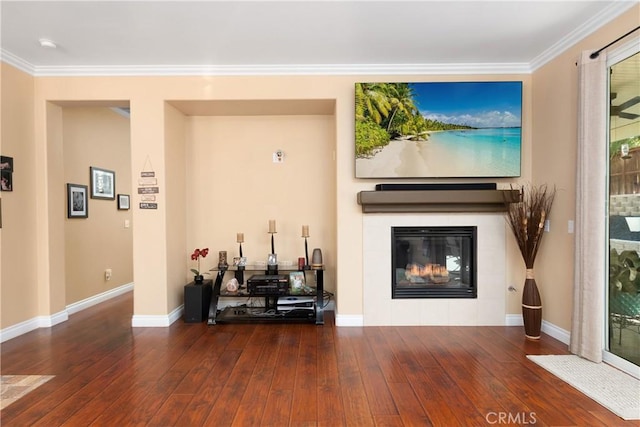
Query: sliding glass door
(623, 293)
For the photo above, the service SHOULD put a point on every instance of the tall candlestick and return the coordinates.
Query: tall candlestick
(240, 237)
(240, 249)
(273, 251)
(305, 231)
(272, 226)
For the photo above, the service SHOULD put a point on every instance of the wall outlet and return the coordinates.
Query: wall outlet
(107, 274)
(547, 225)
(278, 156)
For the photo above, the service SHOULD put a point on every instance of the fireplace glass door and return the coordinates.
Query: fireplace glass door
(433, 262)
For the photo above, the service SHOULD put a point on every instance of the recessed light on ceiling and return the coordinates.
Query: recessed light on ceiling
(46, 43)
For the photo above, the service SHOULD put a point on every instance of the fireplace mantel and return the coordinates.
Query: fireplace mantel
(406, 201)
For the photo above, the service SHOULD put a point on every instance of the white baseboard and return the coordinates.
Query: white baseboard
(54, 319)
(556, 332)
(513, 320)
(32, 324)
(349, 320)
(19, 329)
(156, 321)
(97, 299)
(62, 316)
(176, 314)
(547, 327)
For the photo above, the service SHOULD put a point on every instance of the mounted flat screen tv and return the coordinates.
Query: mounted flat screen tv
(438, 129)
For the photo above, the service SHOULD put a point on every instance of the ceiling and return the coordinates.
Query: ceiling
(269, 37)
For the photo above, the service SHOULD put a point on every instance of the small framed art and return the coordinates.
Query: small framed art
(103, 183)
(6, 164)
(6, 173)
(296, 282)
(77, 206)
(6, 181)
(123, 202)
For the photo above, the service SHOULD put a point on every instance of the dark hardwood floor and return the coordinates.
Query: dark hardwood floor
(109, 374)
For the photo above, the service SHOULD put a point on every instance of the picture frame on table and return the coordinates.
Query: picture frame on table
(77, 201)
(103, 183)
(123, 202)
(297, 282)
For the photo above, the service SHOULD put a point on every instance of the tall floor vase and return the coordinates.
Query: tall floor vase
(531, 307)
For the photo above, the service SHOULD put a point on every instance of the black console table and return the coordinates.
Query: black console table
(269, 312)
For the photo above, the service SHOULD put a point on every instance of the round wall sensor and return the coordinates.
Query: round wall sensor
(47, 43)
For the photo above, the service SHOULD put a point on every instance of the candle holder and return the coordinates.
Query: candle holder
(305, 234)
(273, 250)
(272, 264)
(222, 259)
(239, 273)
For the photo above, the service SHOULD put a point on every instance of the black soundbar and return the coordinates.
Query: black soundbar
(438, 187)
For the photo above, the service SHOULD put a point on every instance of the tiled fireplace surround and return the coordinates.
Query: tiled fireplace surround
(487, 309)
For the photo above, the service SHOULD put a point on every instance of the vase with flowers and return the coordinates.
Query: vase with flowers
(527, 219)
(195, 256)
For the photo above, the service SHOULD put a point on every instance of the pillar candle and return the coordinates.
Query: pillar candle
(240, 237)
(272, 226)
(305, 231)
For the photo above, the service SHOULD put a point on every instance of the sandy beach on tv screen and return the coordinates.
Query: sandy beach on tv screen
(407, 159)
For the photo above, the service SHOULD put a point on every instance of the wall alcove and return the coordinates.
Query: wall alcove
(234, 185)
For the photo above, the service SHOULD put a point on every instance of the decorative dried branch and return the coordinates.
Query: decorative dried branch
(526, 219)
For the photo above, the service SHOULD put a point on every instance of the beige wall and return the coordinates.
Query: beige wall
(331, 211)
(99, 137)
(178, 209)
(240, 188)
(18, 236)
(555, 102)
(164, 238)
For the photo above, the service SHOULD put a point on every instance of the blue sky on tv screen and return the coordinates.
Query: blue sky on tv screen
(476, 104)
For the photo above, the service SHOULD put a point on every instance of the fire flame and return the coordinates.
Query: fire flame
(428, 270)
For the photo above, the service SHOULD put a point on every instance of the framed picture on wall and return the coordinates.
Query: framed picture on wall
(6, 173)
(461, 129)
(6, 164)
(123, 202)
(6, 183)
(103, 183)
(77, 201)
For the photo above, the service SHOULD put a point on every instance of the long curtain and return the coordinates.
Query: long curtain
(590, 271)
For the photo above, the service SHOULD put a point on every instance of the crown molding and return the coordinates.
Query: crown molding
(604, 17)
(17, 62)
(279, 70)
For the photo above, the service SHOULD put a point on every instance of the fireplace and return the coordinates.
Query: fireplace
(433, 262)
(488, 308)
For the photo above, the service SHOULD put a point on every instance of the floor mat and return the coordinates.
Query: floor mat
(13, 387)
(613, 389)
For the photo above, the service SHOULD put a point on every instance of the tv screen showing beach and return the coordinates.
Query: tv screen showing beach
(438, 129)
